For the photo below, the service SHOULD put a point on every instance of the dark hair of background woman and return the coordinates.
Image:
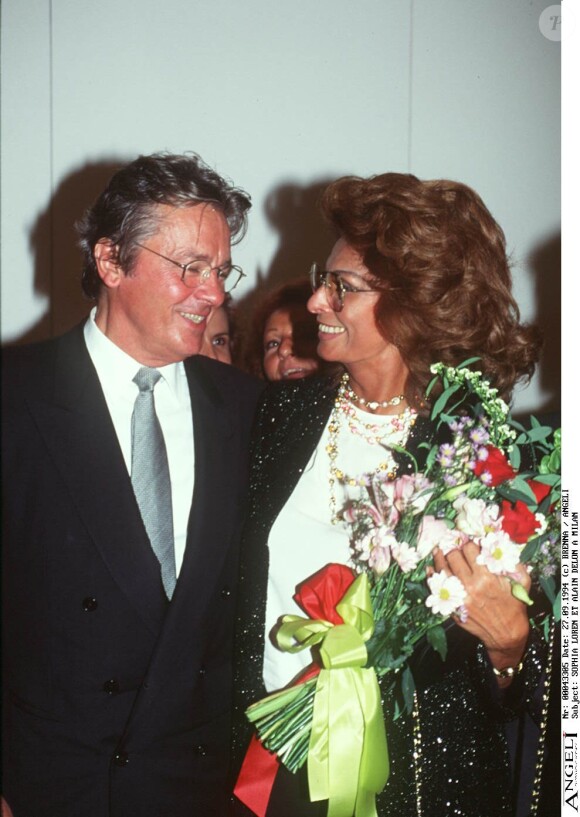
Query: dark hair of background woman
(291, 296)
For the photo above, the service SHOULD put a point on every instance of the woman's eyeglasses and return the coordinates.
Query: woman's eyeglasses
(335, 287)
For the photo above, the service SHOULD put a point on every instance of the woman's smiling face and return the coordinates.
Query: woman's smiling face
(286, 348)
(350, 336)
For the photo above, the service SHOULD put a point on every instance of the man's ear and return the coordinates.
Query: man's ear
(107, 261)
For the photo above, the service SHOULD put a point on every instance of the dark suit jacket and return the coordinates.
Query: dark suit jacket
(117, 703)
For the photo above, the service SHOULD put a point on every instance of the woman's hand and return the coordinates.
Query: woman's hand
(494, 615)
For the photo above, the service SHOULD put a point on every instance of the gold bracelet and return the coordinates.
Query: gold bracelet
(508, 672)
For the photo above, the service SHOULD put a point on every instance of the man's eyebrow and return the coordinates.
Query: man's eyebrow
(202, 257)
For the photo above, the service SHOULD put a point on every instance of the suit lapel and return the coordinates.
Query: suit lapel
(212, 514)
(290, 441)
(80, 436)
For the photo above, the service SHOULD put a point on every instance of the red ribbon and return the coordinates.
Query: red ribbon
(256, 778)
(318, 597)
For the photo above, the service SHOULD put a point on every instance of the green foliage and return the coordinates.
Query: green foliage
(418, 590)
(431, 456)
(538, 434)
(441, 401)
(515, 457)
(437, 637)
(521, 487)
(548, 584)
(408, 688)
(514, 495)
(532, 546)
(403, 451)
(557, 607)
(549, 479)
(468, 362)
(387, 647)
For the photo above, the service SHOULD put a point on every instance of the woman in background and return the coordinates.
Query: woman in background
(284, 335)
(419, 274)
(218, 338)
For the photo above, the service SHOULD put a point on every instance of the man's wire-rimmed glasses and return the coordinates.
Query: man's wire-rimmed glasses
(196, 272)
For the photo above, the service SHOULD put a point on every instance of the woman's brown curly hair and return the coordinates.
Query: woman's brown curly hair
(435, 249)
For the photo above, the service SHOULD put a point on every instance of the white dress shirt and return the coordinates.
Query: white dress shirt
(116, 371)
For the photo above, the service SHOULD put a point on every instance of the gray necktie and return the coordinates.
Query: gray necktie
(150, 476)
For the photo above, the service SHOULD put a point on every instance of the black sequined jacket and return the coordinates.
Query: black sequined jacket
(464, 766)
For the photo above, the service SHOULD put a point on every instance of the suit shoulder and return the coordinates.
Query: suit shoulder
(226, 378)
(21, 354)
(27, 363)
(283, 400)
(300, 392)
(34, 363)
(35, 372)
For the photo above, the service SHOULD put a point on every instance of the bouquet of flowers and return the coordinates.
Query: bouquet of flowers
(367, 621)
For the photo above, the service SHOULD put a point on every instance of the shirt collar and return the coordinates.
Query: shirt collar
(116, 368)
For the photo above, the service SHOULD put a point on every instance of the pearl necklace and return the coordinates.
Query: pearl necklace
(342, 408)
(372, 405)
(374, 433)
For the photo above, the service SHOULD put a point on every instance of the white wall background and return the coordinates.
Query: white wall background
(280, 97)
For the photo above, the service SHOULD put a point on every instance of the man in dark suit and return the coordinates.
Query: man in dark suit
(124, 479)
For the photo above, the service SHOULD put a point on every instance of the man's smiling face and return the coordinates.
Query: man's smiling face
(150, 313)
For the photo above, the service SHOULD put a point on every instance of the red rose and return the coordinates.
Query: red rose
(495, 469)
(540, 490)
(518, 521)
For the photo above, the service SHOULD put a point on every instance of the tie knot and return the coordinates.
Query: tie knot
(146, 378)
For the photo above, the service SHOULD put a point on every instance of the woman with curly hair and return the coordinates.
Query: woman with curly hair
(419, 274)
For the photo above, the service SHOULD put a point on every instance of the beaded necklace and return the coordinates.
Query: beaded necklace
(372, 405)
(374, 433)
(396, 430)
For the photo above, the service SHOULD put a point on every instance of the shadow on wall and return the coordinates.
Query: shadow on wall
(57, 259)
(545, 263)
(294, 212)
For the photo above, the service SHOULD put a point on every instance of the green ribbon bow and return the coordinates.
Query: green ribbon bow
(348, 761)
